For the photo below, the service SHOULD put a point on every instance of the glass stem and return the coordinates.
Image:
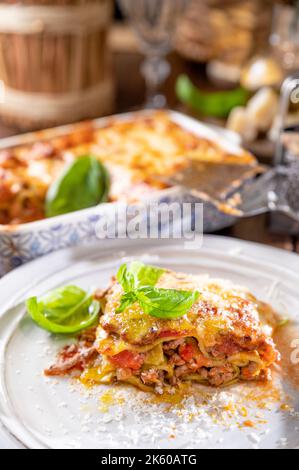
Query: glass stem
(155, 70)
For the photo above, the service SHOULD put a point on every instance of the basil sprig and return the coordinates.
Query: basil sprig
(137, 275)
(65, 310)
(215, 103)
(84, 183)
(138, 282)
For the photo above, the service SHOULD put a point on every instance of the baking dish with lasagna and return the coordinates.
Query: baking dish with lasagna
(137, 150)
(158, 328)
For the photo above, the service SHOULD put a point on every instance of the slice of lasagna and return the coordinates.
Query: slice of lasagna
(159, 328)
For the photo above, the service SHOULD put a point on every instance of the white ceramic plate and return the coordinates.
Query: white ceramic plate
(39, 412)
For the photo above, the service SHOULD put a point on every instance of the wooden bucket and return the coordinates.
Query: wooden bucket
(55, 65)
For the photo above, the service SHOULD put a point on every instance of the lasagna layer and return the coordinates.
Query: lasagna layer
(222, 339)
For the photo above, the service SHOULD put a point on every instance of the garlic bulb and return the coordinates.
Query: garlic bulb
(239, 121)
(262, 108)
(260, 72)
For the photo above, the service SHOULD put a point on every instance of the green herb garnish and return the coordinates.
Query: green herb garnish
(217, 103)
(137, 275)
(83, 184)
(65, 310)
(138, 282)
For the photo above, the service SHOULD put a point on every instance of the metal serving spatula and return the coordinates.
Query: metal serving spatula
(234, 190)
(276, 190)
(214, 182)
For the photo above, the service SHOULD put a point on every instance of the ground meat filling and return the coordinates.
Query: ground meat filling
(152, 377)
(183, 354)
(72, 358)
(75, 357)
(187, 358)
(220, 375)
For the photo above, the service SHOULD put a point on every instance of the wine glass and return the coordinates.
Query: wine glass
(284, 37)
(154, 23)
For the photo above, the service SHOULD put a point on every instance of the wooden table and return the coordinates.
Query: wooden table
(130, 95)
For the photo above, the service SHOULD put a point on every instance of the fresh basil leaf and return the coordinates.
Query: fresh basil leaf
(126, 301)
(138, 282)
(138, 274)
(165, 303)
(63, 297)
(145, 275)
(84, 183)
(124, 278)
(65, 310)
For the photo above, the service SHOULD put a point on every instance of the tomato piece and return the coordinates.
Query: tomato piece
(127, 360)
(188, 351)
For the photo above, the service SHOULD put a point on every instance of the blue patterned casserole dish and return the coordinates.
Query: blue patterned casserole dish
(25, 242)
